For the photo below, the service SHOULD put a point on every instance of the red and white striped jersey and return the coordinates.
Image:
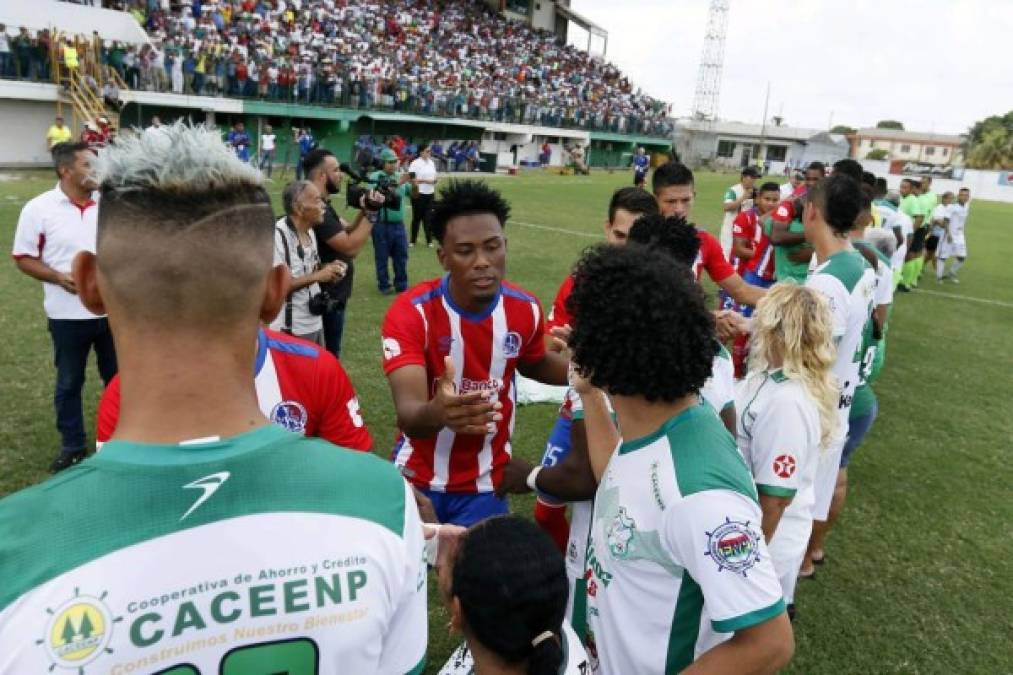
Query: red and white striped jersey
(747, 225)
(424, 326)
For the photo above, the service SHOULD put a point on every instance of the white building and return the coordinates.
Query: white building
(735, 144)
(911, 146)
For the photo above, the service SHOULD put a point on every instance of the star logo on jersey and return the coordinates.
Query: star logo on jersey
(78, 632)
(290, 416)
(784, 466)
(734, 546)
(209, 484)
(512, 345)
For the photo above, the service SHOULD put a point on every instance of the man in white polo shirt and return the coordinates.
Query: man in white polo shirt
(53, 228)
(423, 175)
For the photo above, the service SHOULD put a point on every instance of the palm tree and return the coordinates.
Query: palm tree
(993, 151)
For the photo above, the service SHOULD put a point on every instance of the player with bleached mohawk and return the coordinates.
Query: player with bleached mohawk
(201, 527)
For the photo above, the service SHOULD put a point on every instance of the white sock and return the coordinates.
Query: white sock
(940, 268)
(956, 266)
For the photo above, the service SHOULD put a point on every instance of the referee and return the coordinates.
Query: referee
(52, 229)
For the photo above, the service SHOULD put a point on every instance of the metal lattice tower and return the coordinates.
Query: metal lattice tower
(708, 79)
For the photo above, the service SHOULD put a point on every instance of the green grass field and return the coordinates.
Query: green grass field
(920, 564)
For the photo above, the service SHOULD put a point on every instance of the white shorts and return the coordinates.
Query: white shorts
(826, 479)
(787, 549)
(949, 249)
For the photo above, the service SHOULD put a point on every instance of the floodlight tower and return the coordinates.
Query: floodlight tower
(708, 79)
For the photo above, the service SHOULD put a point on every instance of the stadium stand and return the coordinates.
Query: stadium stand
(456, 59)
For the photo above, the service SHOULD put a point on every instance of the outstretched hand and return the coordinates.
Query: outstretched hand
(473, 413)
(515, 478)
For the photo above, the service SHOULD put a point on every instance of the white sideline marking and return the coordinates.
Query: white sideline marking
(561, 230)
(984, 301)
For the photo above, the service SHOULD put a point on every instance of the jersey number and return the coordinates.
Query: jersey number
(292, 657)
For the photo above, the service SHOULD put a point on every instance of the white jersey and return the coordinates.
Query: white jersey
(575, 660)
(958, 218)
(940, 218)
(891, 218)
(215, 557)
(849, 284)
(676, 561)
(719, 389)
(778, 433)
(732, 194)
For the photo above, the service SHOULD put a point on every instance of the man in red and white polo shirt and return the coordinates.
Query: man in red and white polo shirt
(450, 349)
(300, 387)
(675, 190)
(52, 229)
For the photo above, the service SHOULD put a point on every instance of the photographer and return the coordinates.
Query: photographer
(422, 171)
(338, 240)
(296, 246)
(390, 242)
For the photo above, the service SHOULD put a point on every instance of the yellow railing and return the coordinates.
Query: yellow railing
(82, 86)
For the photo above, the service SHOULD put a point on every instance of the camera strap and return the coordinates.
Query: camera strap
(287, 328)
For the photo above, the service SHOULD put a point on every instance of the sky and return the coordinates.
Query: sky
(935, 65)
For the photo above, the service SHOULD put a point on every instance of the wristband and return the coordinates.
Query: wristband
(532, 479)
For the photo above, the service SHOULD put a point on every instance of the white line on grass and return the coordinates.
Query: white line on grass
(984, 301)
(561, 230)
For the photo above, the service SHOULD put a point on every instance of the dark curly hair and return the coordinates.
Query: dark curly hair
(511, 582)
(672, 235)
(640, 324)
(466, 197)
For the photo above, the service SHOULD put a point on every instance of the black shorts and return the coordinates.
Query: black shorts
(639, 178)
(918, 240)
(932, 242)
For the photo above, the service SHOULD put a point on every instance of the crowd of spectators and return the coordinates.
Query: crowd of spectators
(452, 58)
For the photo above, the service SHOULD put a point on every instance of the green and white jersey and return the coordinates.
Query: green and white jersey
(263, 553)
(719, 390)
(575, 662)
(871, 348)
(849, 284)
(676, 561)
(778, 434)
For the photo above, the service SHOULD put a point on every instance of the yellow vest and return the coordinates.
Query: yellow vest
(70, 56)
(57, 135)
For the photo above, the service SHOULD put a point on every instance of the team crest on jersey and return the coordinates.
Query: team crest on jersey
(391, 348)
(620, 534)
(734, 546)
(784, 466)
(444, 342)
(512, 345)
(291, 416)
(78, 632)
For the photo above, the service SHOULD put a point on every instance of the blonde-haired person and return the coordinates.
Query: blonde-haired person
(787, 410)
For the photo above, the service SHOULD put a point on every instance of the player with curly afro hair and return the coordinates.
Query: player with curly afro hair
(643, 337)
(464, 198)
(640, 324)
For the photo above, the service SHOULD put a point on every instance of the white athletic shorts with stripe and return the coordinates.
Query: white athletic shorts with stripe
(787, 549)
(827, 466)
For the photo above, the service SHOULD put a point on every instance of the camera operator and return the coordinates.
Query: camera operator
(296, 246)
(422, 171)
(390, 241)
(338, 240)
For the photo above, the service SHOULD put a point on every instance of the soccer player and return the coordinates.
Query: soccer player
(738, 198)
(200, 519)
(678, 574)
(240, 141)
(675, 191)
(787, 410)
(300, 387)
(794, 183)
(955, 243)
(911, 206)
(753, 251)
(641, 162)
(791, 252)
(451, 346)
(939, 220)
(892, 220)
(842, 274)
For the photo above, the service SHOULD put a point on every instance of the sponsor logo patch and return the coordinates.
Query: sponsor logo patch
(78, 632)
(733, 546)
(784, 466)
